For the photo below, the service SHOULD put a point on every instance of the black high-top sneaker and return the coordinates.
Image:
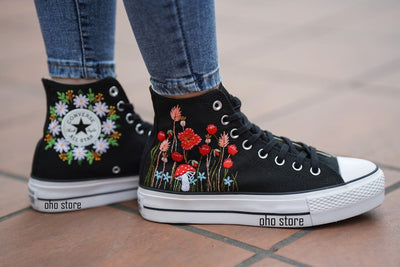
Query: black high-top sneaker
(90, 151)
(206, 163)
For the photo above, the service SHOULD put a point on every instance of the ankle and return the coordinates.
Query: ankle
(73, 80)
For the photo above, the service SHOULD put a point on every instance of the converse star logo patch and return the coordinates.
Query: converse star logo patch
(81, 127)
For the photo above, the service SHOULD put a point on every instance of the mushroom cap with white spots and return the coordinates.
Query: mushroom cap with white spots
(182, 169)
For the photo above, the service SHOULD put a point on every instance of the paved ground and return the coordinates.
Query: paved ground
(324, 72)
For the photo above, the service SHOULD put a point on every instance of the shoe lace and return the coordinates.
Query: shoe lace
(301, 150)
(133, 117)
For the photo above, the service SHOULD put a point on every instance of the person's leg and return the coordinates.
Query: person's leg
(178, 43)
(206, 163)
(93, 140)
(79, 38)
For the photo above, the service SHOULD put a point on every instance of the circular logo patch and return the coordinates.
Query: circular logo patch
(81, 127)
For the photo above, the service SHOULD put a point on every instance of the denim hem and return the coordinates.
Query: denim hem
(61, 68)
(187, 84)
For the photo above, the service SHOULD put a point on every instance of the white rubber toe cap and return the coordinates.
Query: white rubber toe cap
(352, 168)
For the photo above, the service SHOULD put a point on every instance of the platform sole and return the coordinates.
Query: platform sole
(283, 210)
(71, 196)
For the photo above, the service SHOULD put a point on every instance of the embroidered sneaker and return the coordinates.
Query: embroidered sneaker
(90, 152)
(206, 163)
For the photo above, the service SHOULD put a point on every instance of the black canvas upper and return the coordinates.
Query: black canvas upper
(244, 171)
(125, 139)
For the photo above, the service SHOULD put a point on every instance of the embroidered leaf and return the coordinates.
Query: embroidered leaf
(89, 157)
(53, 111)
(90, 95)
(50, 143)
(101, 135)
(90, 108)
(60, 119)
(80, 162)
(112, 141)
(63, 97)
(113, 117)
(70, 157)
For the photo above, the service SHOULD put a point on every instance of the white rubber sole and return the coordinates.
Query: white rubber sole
(72, 196)
(289, 210)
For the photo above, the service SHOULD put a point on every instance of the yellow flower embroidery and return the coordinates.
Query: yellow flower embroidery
(63, 156)
(70, 95)
(98, 97)
(116, 135)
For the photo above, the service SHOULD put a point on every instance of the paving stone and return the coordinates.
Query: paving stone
(271, 262)
(21, 139)
(13, 195)
(263, 238)
(368, 240)
(109, 237)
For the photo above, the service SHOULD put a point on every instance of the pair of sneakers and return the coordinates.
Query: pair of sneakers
(202, 161)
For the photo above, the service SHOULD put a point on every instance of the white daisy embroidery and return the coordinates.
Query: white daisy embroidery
(101, 109)
(61, 108)
(61, 145)
(108, 126)
(54, 128)
(101, 145)
(79, 153)
(81, 101)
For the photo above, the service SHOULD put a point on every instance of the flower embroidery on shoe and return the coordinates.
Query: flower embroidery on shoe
(81, 127)
(194, 166)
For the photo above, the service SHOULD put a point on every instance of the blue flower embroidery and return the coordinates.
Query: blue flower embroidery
(201, 176)
(167, 177)
(228, 181)
(192, 180)
(158, 175)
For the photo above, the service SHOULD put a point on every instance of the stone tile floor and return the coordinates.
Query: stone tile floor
(324, 72)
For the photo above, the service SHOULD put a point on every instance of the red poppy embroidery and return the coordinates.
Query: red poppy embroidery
(189, 139)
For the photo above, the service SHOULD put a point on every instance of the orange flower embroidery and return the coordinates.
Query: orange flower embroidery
(96, 156)
(63, 156)
(111, 111)
(70, 95)
(48, 137)
(98, 97)
(116, 135)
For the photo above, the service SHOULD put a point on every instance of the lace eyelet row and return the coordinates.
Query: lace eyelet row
(278, 162)
(129, 116)
(217, 106)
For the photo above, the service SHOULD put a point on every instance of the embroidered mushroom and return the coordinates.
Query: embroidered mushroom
(183, 173)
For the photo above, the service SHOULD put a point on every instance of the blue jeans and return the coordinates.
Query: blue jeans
(177, 39)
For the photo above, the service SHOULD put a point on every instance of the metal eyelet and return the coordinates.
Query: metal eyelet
(113, 91)
(279, 163)
(234, 136)
(262, 156)
(139, 131)
(297, 169)
(223, 121)
(116, 169)
(246, 147)
(128, 118)
(119, 105)
(149, 133)
(315, 173)
(217, 105)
